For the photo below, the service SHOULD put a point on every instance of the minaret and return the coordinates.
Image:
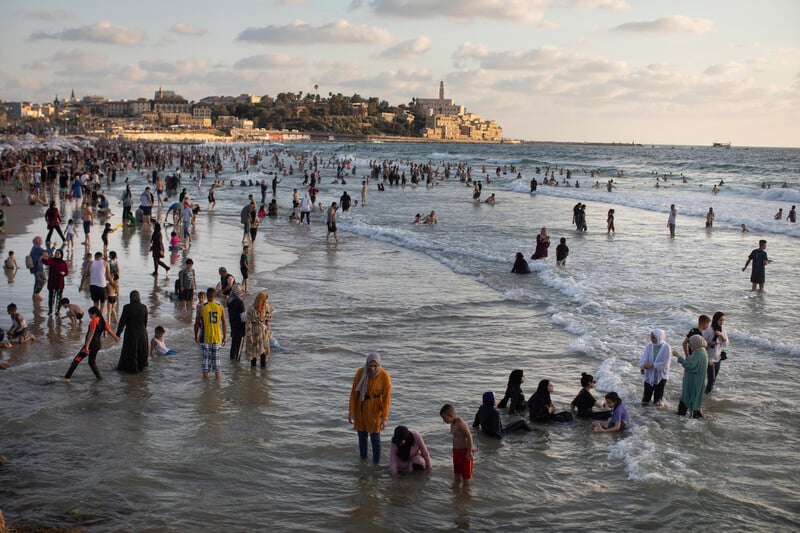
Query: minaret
(441, 90)
(72, 96)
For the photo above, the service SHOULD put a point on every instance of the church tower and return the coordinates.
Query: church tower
(441, 90)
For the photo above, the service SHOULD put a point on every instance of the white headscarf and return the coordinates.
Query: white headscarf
(660, 369)
(365, 374)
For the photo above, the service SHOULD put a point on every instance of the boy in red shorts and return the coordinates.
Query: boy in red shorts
(463, 453)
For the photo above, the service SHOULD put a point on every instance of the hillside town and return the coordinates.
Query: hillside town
(287, 116)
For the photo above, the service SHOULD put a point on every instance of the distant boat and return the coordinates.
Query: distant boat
(721, 145)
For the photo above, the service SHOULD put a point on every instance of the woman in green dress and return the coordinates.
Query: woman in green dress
(694, 377)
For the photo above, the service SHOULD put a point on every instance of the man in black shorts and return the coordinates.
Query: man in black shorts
(99, 274)
(332, 222)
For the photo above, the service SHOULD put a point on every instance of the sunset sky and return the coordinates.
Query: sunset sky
(663, 72)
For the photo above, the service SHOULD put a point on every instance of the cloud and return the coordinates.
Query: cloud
(72, 62)
(290, 2)
(102, 32)
(525, 11)
(187, 29)
(269, 61)
(723, 70)
(673, 24)
(406, 49)
(301, 33)
(545, 58)
(55, 14)
(170, 69)
(619, 5)
(394, 85)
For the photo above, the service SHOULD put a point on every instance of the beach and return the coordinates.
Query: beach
(272, 448)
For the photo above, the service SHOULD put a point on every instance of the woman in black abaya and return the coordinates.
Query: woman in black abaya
(133, 321)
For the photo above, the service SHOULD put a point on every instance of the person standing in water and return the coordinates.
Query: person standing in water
(654, 366)
(673, 217)
(92, 343)
(760, 262)
(370, 397)
(542, 244)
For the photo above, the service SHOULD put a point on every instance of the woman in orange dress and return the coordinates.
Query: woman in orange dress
(369, 405)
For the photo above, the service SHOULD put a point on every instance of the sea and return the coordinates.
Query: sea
(271, 450)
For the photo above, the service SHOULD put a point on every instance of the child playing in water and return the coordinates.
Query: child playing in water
(74, 313)
(104, 237)
(463, 453)
(11, 262)
(19, 328)
(70, 235)
(620, 419)
(174, 242)
(157, 344)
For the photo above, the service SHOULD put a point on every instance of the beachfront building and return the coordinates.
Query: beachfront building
(169, 102)
(229, 122)
(19, 110)
(445, 120)
(127, 108)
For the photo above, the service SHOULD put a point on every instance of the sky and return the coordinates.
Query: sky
(644, 71)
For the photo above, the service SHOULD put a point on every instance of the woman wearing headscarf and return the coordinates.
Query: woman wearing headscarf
(488, 419)
(236, 321)
(717, 341)
(135, 346)
(408, 452)
(514, 398)
(57, 270)
(257, 329)
(520, 265)
(38, 271)
(654, 365)
(369, 405)
(694, 377)
(541, 408)
(542, 244)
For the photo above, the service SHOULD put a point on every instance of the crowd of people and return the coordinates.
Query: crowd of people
(370, 398)
(247, 329)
